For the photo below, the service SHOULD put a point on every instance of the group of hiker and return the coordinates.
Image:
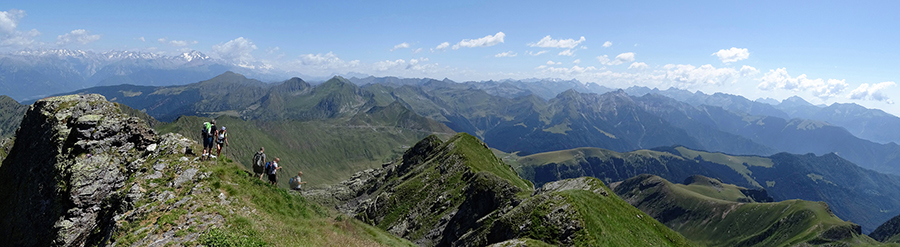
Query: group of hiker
(261, 167)
(210, 135)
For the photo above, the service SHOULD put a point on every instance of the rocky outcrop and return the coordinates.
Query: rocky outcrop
(454, 194)
(68, 179)
(888, 232)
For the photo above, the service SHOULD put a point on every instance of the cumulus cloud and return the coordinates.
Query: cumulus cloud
(403, 45)
(328, 61)
(441, 47)
(536, 53)
(686, 74)
(506, 54)
(142, 39)
(603, 59)
(236, 50)
(872, 92)
(162, 40)
(732, 55)
(9, 36)
(387, 64)
(181, 43)
(747, 70)
(548, 42)
(78, 35)
(9, 20)
(417, 50)
(780, 79)
(607, 44)
(567, 52)
(485, 41)
(553, 63)
(620, 59)
(573, 71)
(638, 65)
(577, 61)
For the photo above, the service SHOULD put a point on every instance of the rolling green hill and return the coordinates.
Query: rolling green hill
(457, 193)
(326, 151)
(715, 214)
(861, 196)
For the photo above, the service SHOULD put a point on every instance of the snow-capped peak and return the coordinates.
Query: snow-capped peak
(193, 55)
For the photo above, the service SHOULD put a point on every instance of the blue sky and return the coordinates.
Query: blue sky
(822, 51)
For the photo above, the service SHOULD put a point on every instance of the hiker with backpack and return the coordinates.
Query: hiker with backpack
(271, 169)
(295, 182)
(208, 132)
(221, 141)
(259, 163)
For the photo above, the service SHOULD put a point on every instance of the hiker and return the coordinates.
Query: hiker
(259, 163)
(271, 168)
(295, 182)
(221, 140)
(209, 132)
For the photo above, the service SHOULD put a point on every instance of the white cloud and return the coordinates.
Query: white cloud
(506, 54)
(548, 42)
(236, 50)
(607, 44)
(577, 61)
(485, 41)
(9, 20)
(77, 35)
(180, 43)
(620, 59)
(603, 59)
(417, 50)
(573, 71)
(537, 53)
(567, 52)
(326, 62)
(638, 65)
(162, 40)
(732, 55)
(685, 75)
(403, 45)
(387, 64)
(872, 92)
(9, 36)
(142, 39)
(780, 79)
(625, 58)
(441, 47)
(747, 70)
(553, 63)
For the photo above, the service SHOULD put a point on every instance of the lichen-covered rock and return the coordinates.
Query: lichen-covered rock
(67, 180)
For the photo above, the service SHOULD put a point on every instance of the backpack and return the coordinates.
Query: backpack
(207, 129)
(257, 160)
(269, 167)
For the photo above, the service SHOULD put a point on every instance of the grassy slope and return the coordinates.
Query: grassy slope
(607, 220)
(257, 214)
(716, 222)
(326, 152)
(610, 221)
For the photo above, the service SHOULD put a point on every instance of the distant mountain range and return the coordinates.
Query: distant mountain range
(616, 120)
(870, 124)
(31, 74)
(859, 195)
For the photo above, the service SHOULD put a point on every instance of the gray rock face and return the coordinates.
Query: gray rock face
(61, 181)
